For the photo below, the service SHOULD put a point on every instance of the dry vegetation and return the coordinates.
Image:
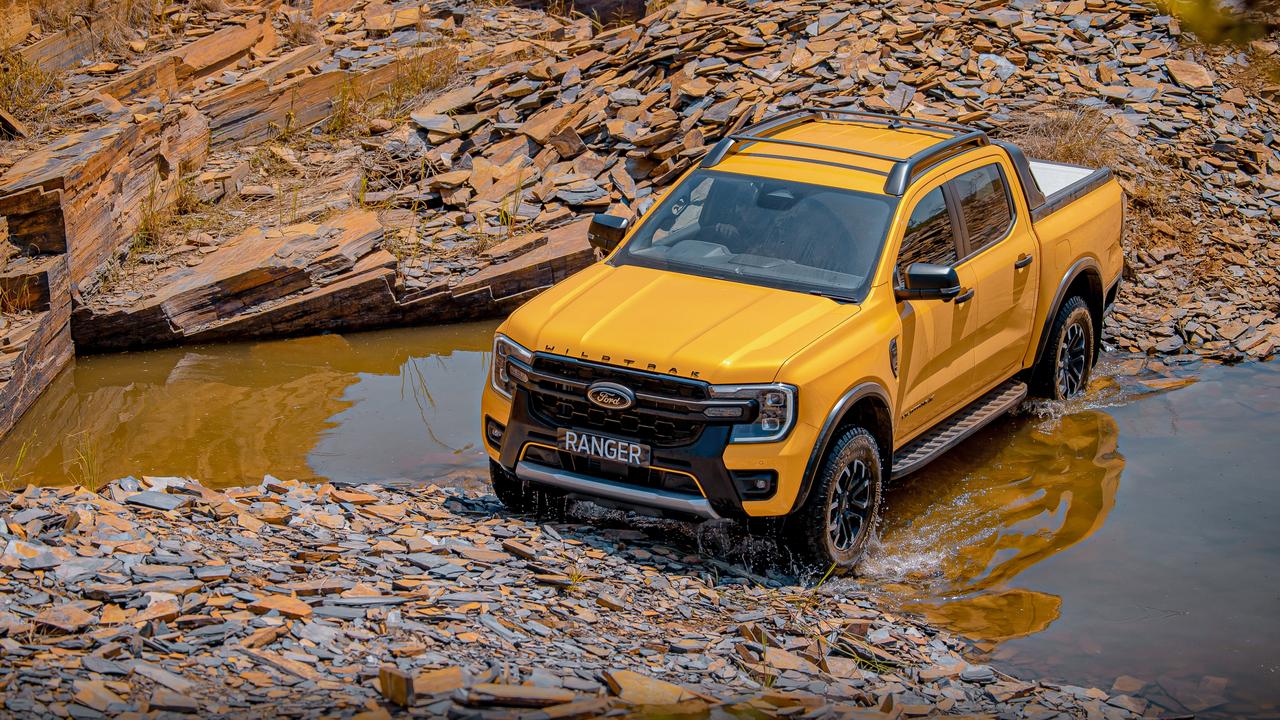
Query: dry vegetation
(425, 70)
(1084, 136)
(26, 88)
(1262, 72)
(301, 31)
(114, 23)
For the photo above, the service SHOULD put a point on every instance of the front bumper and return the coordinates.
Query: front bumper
(609, 490)
(685, 481)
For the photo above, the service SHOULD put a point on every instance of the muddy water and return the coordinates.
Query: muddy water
(381, 406)
(1135, 532)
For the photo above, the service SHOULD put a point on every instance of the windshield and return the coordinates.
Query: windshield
(790, 235)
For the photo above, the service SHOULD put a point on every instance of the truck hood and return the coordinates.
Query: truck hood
(714, 330)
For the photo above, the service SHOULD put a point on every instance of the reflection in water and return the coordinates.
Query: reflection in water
(368, 406)
(1013, 496)
(1026, 539)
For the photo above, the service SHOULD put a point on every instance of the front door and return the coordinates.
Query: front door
(999, 253)
(936, 352)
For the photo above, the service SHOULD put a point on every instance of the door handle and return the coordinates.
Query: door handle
(964, 296)
(1023, 260)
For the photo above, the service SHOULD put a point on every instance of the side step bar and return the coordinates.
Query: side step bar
(967, 421)
(609, 490)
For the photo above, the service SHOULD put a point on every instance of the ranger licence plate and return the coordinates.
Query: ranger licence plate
(604, 448)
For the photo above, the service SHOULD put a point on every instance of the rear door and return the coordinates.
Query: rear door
(936, 350)
(998, 251)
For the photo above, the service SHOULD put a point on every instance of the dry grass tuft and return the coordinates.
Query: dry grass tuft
(85, 467)
(11, 479)
(1085, 136)
(1079, 136)
(16, 296)
(207, 6)
(301, 31)
(26, 88)
(346, 116)
(423, 71)
(113, 23)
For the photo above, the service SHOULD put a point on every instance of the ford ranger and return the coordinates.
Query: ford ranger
(830, 298)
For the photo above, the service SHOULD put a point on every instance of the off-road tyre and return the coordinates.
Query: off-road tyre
(1064, 367)
(523, 497)
(847, 488)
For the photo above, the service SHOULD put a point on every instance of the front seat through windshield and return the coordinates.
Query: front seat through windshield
(809, 238)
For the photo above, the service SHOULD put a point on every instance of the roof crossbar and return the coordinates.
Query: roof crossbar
(816, 146)
(895, 121)
(900, 174)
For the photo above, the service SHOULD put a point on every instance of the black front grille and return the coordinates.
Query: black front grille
(558, 399)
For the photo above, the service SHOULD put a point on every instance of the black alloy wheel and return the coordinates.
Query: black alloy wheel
(831, 529)
(1063, 369)
(850, 503)
(1072, 361)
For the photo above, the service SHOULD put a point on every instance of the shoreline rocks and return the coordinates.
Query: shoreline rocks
(370, 601)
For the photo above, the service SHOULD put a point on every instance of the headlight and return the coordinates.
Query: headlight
(504, 348)
(777, 410)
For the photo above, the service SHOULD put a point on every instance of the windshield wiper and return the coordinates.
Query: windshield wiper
(835, 296)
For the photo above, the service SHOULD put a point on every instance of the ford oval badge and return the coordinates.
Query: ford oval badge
(611, 396)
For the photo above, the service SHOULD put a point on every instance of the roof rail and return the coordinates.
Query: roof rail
(899, 176)
(902, 173)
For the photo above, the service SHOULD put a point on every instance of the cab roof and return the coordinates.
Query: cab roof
(885, 152)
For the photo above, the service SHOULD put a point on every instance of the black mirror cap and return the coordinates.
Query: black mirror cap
(607, 231)
(927, 281)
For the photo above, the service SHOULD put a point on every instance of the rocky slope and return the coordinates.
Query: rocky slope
(382, 170)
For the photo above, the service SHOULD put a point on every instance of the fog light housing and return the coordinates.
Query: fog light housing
(493, 431)
(755, 484)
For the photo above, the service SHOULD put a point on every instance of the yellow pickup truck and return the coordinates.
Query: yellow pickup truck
(830, 298)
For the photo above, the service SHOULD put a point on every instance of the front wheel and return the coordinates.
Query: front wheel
(1068, 358)
(838, 517)
(522, 497)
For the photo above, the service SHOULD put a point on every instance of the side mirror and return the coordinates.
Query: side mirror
(926, 281)
(606, 232)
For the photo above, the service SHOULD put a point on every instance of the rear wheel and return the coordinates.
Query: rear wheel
(1068, 358)
(839, 515)
(523, 497)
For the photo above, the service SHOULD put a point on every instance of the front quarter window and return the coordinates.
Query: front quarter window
(930, 237)
(778, 233)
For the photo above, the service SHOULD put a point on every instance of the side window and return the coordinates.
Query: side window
(984, 202)
(929, 237)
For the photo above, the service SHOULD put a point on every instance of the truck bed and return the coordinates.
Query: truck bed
(1054, 177)
(1050, 186)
